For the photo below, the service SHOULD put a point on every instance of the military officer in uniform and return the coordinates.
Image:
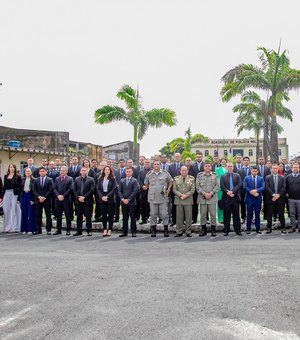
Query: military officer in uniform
(159, 183)
(183, 189)
(207, 186)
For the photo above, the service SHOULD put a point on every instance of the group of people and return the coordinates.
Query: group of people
(155, 192)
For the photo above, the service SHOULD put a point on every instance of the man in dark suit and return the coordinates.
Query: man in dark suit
(238, 163)
(119, 174)
(83, 189)
(231, 184)
(94, 167)
(164, 165)
(197, 167)
(42, 190)
(243, 172)
(62, 192)
(174, 170)
(216, 162)
(143, 193)
(52, 173)
(34, 169)
(254, 185)
(74, 172)
(263, 171)
(275, 198)
(138, 169)
(128, 189)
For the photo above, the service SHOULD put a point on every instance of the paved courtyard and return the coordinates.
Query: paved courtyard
(59, 287)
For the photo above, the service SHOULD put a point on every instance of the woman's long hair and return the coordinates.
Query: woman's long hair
(111, 174)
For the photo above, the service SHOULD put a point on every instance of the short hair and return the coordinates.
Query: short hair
(246, 158)
(94, 159)
(199, 153)
(207, 163)
(121, 160)
(254, 167)
(42, 168)
(63, 167)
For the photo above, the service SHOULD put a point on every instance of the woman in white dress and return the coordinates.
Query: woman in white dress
(11, 210)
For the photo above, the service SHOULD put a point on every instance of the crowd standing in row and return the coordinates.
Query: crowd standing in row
(162, 192)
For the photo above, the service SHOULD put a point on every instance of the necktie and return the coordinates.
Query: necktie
(127, 181)
(122, 172)
(177, 166)
(230, 182)
(199, 165)
(262, 171)
(246, 171)
(42, 181)
(62, 178)
(82, 186)
(254, 182)
(50, 173)
(276, 184)
(164, 167)
(183, 179)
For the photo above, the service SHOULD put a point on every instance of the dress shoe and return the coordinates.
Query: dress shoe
(89, 233)
(283, 231)
(213, 231)
(35, 233)
(172, 224)
(48, 232)
(116, 220)
(68, 233)
(258, 232)
(143, 222)
(133, 235)
(292, 230)
(248, 232)
(178, 235)
(225, 234)
(268, 231)
(242, 221)
(57, 232)
(239, 233)
(77, 234)
(122, 235)
(188, 235)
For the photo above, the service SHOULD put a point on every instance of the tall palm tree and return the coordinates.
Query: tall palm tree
(135, 114)
(275, 76)
(257, 112)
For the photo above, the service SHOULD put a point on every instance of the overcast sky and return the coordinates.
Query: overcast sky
(62, 60)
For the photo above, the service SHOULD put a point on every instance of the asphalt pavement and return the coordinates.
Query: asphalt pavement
(62, 287)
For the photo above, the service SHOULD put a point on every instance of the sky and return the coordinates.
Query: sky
(61, 60)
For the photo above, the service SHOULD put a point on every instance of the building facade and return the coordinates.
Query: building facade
(231, 147)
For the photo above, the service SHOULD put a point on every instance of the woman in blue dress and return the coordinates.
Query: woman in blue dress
(26, 199)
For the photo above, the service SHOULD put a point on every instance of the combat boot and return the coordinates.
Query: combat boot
(166, 233)
(203, 230)
(153, 228)
(213, 231)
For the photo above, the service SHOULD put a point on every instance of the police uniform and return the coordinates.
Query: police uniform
(158, 183)
(207, 184)
(184, 185)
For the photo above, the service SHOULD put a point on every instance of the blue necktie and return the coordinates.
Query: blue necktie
(230, 182)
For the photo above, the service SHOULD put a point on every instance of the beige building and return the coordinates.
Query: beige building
(233, 146)
(19, 156)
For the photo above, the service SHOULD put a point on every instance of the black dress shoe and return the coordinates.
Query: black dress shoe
(283, 231)
(248, 232)
(239, 234)
(178, 235)
(225, 234)
(258, 232)
(77, 234)
(116, 220)
(68, 233)
(133, 235)
(89, 233)
(268, 231)
(48, 232)
(188, 235)
(57, 232)
(122, 235)
(143, 222)
(35, 233)
(172, 224)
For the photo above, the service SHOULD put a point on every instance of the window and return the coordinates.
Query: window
(206, 153)
(260, 152)
(279, 152)
(250, 153)
(225, 153)
(23, 165)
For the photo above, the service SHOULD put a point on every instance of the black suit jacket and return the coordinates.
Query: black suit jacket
(142, 176)
(242, 173)
(34, 170)
(266, 172)
(173, 171)
(129, 191)
(73, 174)
(193, 171)
(111, 189)
(235, 168)
(270, 187)
(21, 189)
(88, 189)
(118, 174)
(52, 174)
(63, 187)
(237, 185)
(45, 190)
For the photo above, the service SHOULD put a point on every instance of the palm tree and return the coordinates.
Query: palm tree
(183, 145)
(254, 115)
(135, 114)
(275, 76)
